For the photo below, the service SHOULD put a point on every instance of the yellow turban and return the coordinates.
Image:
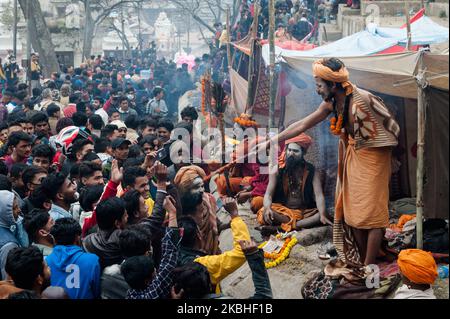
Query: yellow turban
(418, 266)
(186, 175)
(322, 71)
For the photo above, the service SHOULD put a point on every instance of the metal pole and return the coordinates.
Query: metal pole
(189, 32)
(408, 25)
(28, 46)
(273, 82)
(421, 119)
(15, 29)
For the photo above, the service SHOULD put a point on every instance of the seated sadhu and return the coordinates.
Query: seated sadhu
(200, 205)
(240, 174)
(294, 197)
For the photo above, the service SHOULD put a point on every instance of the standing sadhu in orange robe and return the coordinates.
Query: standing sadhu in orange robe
(368, 133)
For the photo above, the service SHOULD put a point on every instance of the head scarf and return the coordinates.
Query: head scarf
(325, 73)
(186, 175)
(418, 266)
(303, 140)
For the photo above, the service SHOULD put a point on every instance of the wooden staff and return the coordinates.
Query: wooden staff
(421, 105)
(251, 64)
(272, 80)
(408, 25)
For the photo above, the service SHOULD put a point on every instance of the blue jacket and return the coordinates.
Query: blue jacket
(75, 271)
(12, 232)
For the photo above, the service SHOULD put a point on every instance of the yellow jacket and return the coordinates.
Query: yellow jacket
(220, 266)
(150, 203)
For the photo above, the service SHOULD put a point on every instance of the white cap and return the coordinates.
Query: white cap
(119, 124)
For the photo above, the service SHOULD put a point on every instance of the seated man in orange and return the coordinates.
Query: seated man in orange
(294, 197)
(240, 174)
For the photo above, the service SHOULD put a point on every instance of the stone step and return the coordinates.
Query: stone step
(286, 279)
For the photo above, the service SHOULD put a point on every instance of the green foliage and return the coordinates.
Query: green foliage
(7, 15)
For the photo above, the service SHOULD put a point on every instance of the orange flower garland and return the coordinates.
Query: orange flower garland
(244, 120)
(204, 97)
(336, 125)
(277, 259)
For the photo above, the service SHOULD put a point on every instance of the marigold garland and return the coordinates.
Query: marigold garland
(336, 125)
(204, 97)
(278, 258)
(244, 120)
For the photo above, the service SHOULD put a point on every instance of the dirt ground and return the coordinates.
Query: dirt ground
(288, 278)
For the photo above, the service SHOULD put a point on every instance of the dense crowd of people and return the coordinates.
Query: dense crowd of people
(94, 205)
(87, 185)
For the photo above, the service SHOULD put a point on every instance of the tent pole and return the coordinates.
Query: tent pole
(408, 25)
(251, 65)
(229, 56)
(273, 86)
(421, 115)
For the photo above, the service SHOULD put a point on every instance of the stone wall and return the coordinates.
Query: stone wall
(435, 9)
(390, 8)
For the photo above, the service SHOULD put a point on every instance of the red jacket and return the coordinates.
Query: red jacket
(109, 191)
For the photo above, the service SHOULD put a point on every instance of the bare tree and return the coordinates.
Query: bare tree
(40, 36)
(96, 11)
(215, 8)
(122, 35)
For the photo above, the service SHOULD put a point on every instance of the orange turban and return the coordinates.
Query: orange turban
(186, 176)
(418, 266)
(341, 76)
(303, 140)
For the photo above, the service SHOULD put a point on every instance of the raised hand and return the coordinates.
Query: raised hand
(116, 172)
(149, 160)
(231, 206)
(170, 205)
(161, 172)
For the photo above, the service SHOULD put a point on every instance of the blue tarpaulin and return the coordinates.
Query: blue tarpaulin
(373, 40)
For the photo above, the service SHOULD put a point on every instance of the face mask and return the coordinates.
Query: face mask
(130, 97)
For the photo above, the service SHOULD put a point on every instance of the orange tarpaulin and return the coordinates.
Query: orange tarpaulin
(291, 45)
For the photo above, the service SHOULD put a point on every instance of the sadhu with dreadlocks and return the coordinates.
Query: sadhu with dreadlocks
(368, 133)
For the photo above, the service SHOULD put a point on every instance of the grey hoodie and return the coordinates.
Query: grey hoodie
(12, 232)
